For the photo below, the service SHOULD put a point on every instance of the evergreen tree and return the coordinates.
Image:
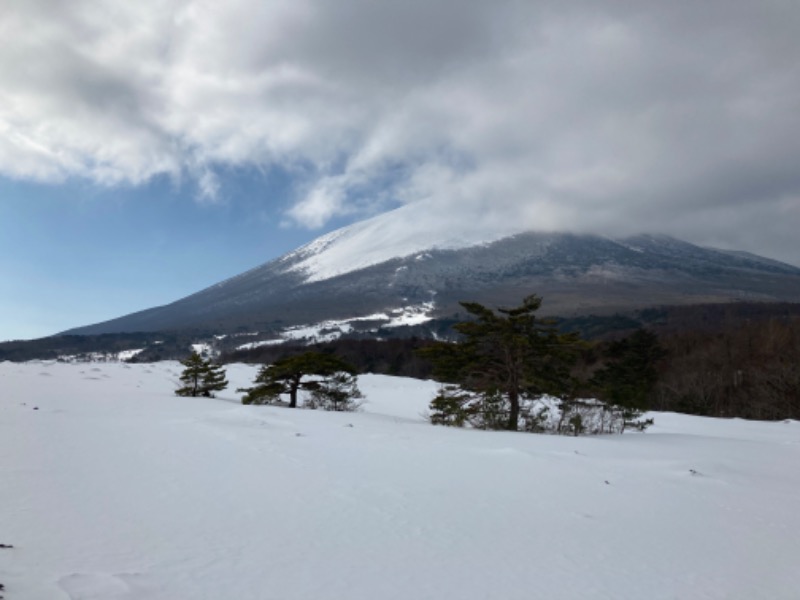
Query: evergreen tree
(214, 379)
(192, 375)
(339, 393)
(504, 358)
(331, 381)
(452, 407)
(201, 377)
(630, 374)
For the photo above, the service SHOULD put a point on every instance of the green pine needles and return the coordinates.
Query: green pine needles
(330, 383)
(515, 371)
(504, 358)
(201, 377)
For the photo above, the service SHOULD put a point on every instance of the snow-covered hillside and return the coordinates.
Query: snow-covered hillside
(115, 489)
(396, 234)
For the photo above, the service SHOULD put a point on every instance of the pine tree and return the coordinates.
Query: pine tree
(192, 376)
(331, 381)
(451, 407)
(630, 374)
(504, 358)
(213, 379)
(201, 377)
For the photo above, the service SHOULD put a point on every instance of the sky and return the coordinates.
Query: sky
(150, 149)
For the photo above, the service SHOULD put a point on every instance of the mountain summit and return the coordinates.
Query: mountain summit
(397, 234)
(396, 268)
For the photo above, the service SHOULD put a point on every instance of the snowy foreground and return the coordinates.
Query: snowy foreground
(116, 489)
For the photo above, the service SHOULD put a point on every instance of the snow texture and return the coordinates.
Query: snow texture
(122, 356)
(203, 349)
(333, 329)
(395, 234)
(113, 488)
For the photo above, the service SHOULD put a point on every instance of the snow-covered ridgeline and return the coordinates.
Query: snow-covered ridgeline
(396, 234)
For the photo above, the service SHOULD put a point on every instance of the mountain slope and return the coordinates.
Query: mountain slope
(377, 266)
(400, 233)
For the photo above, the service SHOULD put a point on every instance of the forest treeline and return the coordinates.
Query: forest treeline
(732, 362)
(399, 356)
(729, 360)
(750, 371)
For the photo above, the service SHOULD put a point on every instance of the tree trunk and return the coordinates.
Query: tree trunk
(513, 413)
(294, 385)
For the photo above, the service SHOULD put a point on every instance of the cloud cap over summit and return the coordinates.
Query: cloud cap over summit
(617, 117)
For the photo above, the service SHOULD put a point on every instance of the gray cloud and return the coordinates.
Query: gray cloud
(618, 117)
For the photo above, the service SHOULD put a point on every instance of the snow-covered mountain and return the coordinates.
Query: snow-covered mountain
(398, 234)
(397, 264)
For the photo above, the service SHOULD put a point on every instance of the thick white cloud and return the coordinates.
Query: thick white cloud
(619, 117)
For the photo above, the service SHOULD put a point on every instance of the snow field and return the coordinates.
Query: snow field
(116, 489)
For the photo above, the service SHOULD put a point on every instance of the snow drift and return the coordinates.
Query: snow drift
(113, 488)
